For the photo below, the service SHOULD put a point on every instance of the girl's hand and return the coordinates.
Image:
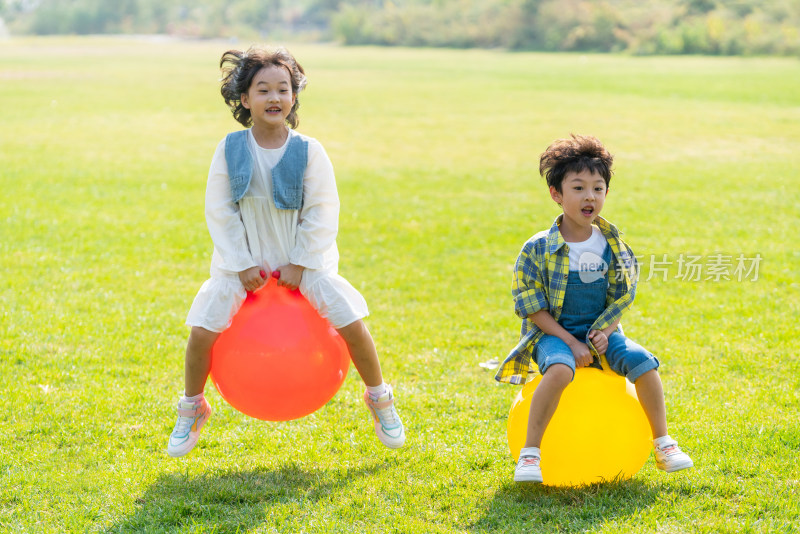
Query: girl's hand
(251, 278)
(290, 276)
(599, 340)
(583, 356)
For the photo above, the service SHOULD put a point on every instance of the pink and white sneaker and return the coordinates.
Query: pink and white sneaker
(528, 469)
(191, 418)
(670, 458)
(388, 426)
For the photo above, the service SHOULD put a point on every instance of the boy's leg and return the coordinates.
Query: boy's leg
(557, 365)
(545, 401)
(543, 406)
(640, 367)
(193, 409)
(379, 396)
(651, 397)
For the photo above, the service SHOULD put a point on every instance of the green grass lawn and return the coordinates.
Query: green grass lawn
(104, 151)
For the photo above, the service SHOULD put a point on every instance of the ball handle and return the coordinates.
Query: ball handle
(275, 274)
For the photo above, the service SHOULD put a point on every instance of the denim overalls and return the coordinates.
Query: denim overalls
(583, 304)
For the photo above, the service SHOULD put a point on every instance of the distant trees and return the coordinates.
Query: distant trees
(635, 26)
(200, 18)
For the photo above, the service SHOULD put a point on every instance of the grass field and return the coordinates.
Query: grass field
(104, 150)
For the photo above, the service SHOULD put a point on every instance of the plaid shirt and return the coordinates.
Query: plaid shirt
(540, 283)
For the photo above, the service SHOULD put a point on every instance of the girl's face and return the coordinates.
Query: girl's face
(582, 197)
(270, 97)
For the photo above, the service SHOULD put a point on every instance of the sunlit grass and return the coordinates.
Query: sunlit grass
(104, 150)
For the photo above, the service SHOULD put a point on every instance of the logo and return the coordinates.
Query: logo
(591, 267)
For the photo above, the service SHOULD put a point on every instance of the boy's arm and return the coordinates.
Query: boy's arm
(549, 325)
(623, 275)
(599, 338)
(610, 329)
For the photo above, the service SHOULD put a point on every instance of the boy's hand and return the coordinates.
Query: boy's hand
(583, 356)
(599, 340)
(291, 275)
(251, 278)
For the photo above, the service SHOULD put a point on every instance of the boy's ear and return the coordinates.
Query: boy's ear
(555, 195)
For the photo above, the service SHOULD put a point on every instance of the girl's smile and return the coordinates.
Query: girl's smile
(270, 99)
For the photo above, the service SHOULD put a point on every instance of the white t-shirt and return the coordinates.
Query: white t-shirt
(588, 255)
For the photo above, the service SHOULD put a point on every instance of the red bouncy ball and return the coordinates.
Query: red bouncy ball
(279, 360)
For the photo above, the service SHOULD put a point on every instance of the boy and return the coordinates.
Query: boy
(571, 285)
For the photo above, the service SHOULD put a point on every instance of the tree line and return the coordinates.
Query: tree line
(725, 27)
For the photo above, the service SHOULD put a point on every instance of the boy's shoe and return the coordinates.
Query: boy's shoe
(528, 469)
(191, 418)
(388, 426)
(670, 458)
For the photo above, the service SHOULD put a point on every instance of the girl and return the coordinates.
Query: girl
(272, 205)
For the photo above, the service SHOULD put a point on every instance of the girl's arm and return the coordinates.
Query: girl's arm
(548, 325)
(319, 216)
(224, 219)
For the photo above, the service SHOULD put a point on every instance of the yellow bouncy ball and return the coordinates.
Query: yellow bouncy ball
(599, 431)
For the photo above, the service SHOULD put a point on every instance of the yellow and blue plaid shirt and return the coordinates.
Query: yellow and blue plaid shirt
(540, 283)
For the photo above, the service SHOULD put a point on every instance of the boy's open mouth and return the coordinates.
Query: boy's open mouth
(588, 210)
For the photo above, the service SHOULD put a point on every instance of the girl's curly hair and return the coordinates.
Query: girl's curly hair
(577, 154)
(238, 70)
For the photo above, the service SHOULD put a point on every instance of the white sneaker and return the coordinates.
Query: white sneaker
(528, 469)
(388, 426)
(670, 458)
(191, 418)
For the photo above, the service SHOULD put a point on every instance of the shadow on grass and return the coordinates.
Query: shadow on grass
(232, 501)
(537, 508)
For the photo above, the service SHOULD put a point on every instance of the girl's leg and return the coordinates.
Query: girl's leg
(651, 397)
(388, 426)
(363, 352)
(193, 408)
(198, 360)
(545, 401)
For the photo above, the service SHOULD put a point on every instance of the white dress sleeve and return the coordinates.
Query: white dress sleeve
(319, 216)
(224, 219)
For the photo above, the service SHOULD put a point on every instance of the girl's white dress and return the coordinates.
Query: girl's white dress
(255, 232)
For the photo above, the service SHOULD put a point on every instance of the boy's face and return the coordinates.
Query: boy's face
(582, 197)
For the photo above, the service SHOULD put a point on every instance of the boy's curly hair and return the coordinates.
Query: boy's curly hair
(577, 154)
(238, 70)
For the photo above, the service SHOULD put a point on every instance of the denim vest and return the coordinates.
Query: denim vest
(287, 176)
